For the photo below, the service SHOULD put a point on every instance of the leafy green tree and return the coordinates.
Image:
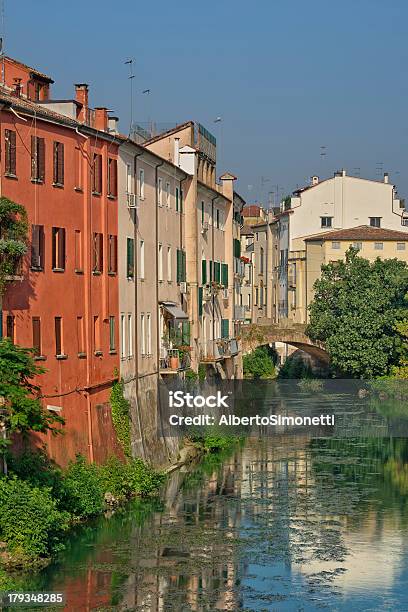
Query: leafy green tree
(21, 407)
(259, 363)
(357, 309)
(401, 371)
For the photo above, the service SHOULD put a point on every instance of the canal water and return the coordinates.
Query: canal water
(282, 523)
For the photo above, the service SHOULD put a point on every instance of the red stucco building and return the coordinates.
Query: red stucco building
(59, 160)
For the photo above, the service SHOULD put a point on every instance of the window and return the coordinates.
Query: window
(37, 247)
(58, 248)
(169, 263)
(113, 255)
(37, 159)
(142, 259)
(326, 221)
(375, 221)
(358, 245)
(401, 246)
(97, 264)
(36, 322)
(149, 334)
(58, 164)
(256, 296)
(112, 177)
(142, 334)
(58, 336)
(112, 343)
(378, 246)
(97, 335)
(10, 152)
(160, 192)
(97, 174)
(78, 251)
(261, 259)
(129, 182)
(130, 262)
(160, 263)
(177, 200)
(78, 168)
(141, 184)
(217, 218)
(202, 213)
(203, 271)
(80, 337)
(181, 200)
(335, 245)
(168, 194)
(123, 336)
(10, 327)
(130, 336)
(181, 266)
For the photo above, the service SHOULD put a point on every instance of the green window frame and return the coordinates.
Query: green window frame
(224, 328)
(203, 271)
(224, 275)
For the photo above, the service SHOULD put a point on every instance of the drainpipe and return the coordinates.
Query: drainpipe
(136, 322)
(213, 266)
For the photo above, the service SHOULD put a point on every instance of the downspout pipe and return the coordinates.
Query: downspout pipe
(213, 265)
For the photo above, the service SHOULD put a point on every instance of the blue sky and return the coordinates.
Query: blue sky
(286, 76)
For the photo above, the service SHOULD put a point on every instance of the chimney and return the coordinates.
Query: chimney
(386, 177)
(113, 125)
(17, 88)
(314, 180)
(343, 172)
(81, 96)
(101, 118)
(176, 160)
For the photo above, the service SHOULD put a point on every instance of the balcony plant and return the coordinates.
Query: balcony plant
(13, 239)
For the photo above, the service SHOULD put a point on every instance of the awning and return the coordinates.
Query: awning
(174, 311)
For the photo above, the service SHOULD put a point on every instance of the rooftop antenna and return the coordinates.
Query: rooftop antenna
(131, 76)
(3, 77)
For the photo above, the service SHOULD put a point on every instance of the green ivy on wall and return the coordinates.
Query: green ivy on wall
(121, 416)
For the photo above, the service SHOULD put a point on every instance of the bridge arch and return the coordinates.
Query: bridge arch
(292, 333)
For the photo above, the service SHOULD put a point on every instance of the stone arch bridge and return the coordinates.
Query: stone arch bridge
(289, 333)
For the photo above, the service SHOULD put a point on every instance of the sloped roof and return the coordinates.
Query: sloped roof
(361, 232)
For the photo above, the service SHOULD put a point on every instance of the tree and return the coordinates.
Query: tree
(357, 309)
(13, 238)
(21, 405)
(401, 371)
(259, 363)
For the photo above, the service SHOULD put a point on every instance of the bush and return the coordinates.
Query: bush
(259, 363)
(83, 493)
(144, 480)
(30, 521)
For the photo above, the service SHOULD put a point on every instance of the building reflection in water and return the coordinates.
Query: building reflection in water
(282, 520)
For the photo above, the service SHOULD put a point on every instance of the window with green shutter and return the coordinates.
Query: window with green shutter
(237, 248)
(181, 266)
(200, 301)
(177, 199)
(224, 328)
(224, 275)
(185, 332)
(130, 258)
(211, 270)
(203, 271)
(217, 271)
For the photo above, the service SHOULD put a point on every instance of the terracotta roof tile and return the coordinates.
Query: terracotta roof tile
(361, 232)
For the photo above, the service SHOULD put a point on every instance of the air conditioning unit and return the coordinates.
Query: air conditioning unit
(131, 200)
(204, 227)
(183, 287)
(225, 293)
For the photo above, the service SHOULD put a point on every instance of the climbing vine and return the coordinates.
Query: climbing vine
(13, 238)
(121, 416)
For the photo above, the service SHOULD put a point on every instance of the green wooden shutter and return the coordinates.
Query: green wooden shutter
(179, 264)
(217, 271)
(203, 271)
(224, 275)
(185, 332)
(211, 270)
(181, 200)
(224, 328)
(200, 301)
(183, 253)
(130, 257)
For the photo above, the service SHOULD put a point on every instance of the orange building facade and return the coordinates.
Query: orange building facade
(62, 167)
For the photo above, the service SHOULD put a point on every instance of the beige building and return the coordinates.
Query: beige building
(372, 242)
(210, 223)
(338, 203)
(153, 305)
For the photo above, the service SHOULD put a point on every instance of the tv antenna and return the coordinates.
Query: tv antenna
(131, 76)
